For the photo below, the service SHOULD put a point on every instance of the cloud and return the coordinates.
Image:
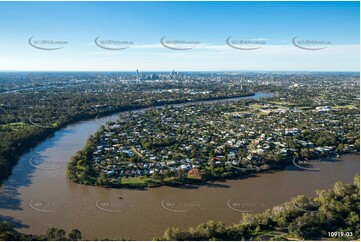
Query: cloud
(210, 49)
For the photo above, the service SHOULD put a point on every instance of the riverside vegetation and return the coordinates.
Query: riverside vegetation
(303, 218)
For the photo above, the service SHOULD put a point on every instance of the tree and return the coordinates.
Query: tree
(170, 233)
(195, 173)
(306, 227)
(5, 227)
(102, 179)
(340, 148)
(55, 234)
(74, 235)
(305, 153)
(83, 176)
(241, 153)
(181, 174)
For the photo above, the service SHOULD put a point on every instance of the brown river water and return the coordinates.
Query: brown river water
(38, 196)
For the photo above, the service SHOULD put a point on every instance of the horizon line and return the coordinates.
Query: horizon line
(170, 70)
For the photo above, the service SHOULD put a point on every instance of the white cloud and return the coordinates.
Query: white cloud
(205, 56)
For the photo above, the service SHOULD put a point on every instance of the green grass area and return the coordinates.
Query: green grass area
(258, 108)
(255, 106)
(133, 180)
(284, 104)
(304, 107)
(344, 106)
(17, 123)
(238, 108)
(276, 103)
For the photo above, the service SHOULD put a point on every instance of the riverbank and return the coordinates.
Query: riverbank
(303, 218)
(146, 182)
(191, 144)
(277, 223)
(25, 144)
(183, 206)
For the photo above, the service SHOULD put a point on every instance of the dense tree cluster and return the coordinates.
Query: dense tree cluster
(8, 233)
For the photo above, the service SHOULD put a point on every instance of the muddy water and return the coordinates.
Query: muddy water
(38, 196)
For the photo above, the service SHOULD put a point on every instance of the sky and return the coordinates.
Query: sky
(262, 36)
